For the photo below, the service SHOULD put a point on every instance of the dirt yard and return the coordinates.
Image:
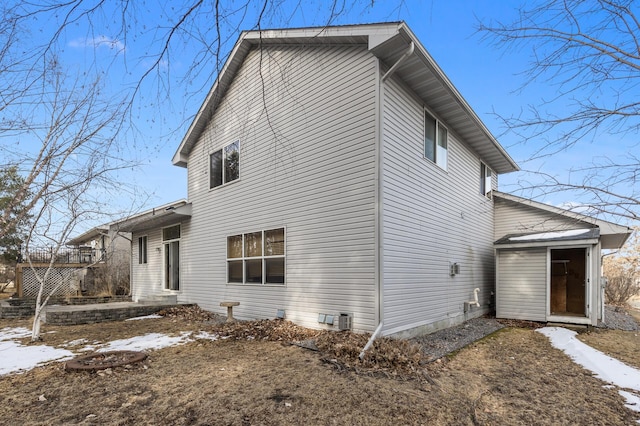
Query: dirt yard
(256, 377)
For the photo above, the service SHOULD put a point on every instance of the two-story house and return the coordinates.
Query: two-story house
(333, 174)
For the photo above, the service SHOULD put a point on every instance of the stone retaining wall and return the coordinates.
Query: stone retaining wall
(16, 312)
(99, 315)
(25, 308)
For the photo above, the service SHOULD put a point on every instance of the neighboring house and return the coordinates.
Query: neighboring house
(336, 176)
(95, 262)
(111, 252)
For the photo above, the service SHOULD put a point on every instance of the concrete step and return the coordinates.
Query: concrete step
(163, 299)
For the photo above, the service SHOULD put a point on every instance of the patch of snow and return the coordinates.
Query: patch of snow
(148, 341)
(9, 333)
(603, 366)
(76, 342)
(551, 235)
(152, 316)
(17, 357)
(205, 335)
(633, 400)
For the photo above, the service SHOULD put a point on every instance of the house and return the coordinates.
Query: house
(155, 251)
(336, 177)
(108, 248)
(95, 262)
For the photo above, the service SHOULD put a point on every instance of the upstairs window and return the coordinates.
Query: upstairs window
(224, 165)
(435, 141)
(485, 180)
(256, 257)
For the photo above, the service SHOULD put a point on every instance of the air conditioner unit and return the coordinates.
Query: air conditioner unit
(345, 322)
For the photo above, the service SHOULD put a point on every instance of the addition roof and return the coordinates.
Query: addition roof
(612, 235)
(586, 235)
(157, 217)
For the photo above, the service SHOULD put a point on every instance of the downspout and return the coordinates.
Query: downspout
(370, 342)
(406, 54)
(389, 72)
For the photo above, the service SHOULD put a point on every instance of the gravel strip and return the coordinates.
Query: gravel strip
(442, 342)
(617, 318)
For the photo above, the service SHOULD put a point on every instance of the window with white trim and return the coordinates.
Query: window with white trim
(256, 257)
(142, 249)
(224, 165)
(485, 180)
(435, 141)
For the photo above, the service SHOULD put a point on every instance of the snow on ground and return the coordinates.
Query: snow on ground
(146, 342)
(9, 333)
(603, 366)
(152, 316)
(76, 342)
(206, 336)
(17, 357)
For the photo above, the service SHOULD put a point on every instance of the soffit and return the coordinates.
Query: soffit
(155, 218)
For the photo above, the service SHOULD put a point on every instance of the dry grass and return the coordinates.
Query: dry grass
(7, 292)
(635, 312)
(511, 377)
(622, 345)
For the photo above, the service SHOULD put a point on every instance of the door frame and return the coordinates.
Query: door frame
(588, 277)
(167, 257)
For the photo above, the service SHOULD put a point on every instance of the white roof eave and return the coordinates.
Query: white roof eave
(539, 244)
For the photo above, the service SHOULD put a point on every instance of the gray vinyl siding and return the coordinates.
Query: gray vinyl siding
(306, 128)
(146, 278)
(517, 218)
(431, 217)
(521, 284)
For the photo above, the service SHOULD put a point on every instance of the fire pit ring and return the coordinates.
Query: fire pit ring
(103, 360)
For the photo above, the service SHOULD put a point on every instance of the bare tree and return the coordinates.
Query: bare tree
(153, 47)
(68, 164)
(182, 47)
(589, 53)
(622, 270)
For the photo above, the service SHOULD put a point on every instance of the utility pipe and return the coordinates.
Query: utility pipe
(475, 297)
(475, 301)
(371, 339)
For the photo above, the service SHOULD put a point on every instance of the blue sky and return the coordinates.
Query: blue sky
(487, 78)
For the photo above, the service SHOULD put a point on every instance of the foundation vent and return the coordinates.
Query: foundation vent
(345, 322)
